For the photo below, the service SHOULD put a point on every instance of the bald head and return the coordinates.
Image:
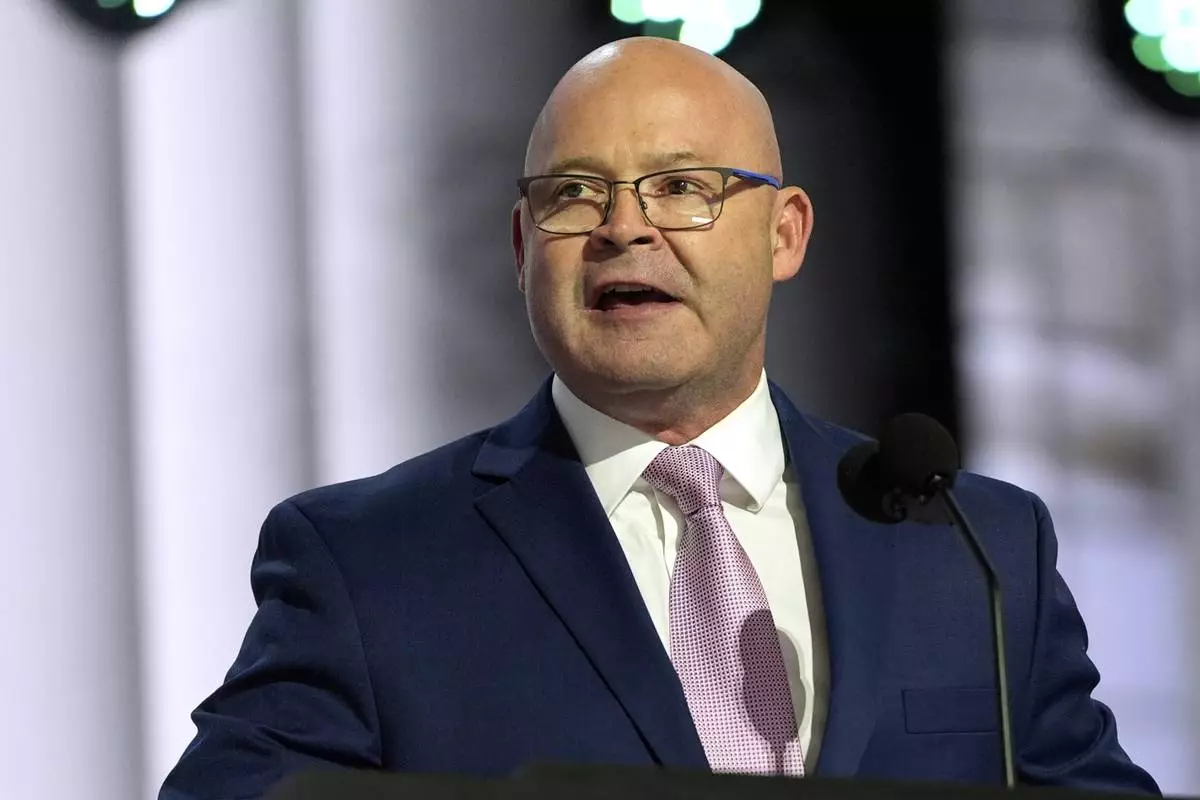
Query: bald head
(708, 252)
(633, 85)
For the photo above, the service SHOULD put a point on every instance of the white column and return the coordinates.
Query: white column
(420, 333)
(376, 309)
(67, 599)
(220, 333)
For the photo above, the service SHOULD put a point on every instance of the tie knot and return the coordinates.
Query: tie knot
(689, 474)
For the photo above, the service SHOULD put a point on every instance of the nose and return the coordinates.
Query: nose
(626, 226)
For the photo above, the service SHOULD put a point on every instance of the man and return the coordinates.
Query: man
(650, 563)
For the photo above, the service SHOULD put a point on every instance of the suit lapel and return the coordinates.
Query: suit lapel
(854, 564)
(545, 509)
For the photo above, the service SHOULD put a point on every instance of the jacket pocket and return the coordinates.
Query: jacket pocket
(950, 710)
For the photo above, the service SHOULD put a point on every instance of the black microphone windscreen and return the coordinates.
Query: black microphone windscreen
(913, 449)
(860, 485)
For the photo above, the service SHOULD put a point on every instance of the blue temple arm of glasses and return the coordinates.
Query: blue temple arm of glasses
(757, 176)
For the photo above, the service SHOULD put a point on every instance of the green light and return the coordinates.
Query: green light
(1181, 49)
(628, 11)
(1187, 84)
(1146, 17)
(711, 37)
(152, 8)
(111, 3)
(1148, 50)
(665, 10)
(1168, 40)
(707, 25)
(741, 13)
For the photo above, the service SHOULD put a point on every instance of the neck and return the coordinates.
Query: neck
(674, 415)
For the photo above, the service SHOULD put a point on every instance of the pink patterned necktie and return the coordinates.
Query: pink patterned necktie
(723, 640)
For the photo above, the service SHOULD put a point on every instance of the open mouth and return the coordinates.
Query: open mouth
(627, 295)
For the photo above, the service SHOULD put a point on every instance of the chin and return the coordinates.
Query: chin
(636, 374)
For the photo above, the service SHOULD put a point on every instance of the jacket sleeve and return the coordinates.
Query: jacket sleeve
(299, 694)
(1071, 738)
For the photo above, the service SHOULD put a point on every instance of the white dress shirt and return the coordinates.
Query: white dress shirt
(762, 501)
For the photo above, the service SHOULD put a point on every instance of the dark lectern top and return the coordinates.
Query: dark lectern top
(636, 783)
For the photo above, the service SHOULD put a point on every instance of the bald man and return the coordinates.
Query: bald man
(650, 563)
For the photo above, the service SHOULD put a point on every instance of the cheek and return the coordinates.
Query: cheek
(735, 301)
(733, 280)
(551, 278)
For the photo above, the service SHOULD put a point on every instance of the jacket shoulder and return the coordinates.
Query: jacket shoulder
(408, 489)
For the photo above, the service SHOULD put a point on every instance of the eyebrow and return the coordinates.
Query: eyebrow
(600, 167)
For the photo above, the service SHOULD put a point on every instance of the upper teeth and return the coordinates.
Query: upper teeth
(627, 287)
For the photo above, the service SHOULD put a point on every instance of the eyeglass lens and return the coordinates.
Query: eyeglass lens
(674, 200)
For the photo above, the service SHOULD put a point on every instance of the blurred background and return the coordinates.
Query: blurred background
(252, 246)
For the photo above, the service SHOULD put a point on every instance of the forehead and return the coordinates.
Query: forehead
(622, 127)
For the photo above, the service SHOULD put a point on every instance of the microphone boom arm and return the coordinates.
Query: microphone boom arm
(943, 488)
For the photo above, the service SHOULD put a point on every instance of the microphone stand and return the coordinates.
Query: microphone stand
(942, 487)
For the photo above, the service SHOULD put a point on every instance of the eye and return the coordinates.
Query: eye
(575, 190)
(681, 186)
(571, 190)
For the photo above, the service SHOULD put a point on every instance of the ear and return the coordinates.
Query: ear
(518, 243)
(790, 231)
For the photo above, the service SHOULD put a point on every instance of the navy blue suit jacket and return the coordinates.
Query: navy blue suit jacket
(471, 611)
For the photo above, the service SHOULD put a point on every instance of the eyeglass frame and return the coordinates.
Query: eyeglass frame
(725, 172)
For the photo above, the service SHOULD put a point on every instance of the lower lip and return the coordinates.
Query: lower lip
(635, 313)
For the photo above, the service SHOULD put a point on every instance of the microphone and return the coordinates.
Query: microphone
(898, 478)
(863, 488)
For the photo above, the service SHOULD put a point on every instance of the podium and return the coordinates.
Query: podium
(639, 783)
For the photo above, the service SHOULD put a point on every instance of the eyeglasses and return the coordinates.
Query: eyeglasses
(671, 200)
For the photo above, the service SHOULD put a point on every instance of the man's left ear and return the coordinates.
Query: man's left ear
(518, 245)
(793, 221)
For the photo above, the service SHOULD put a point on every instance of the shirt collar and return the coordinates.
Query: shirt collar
(747, 443)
